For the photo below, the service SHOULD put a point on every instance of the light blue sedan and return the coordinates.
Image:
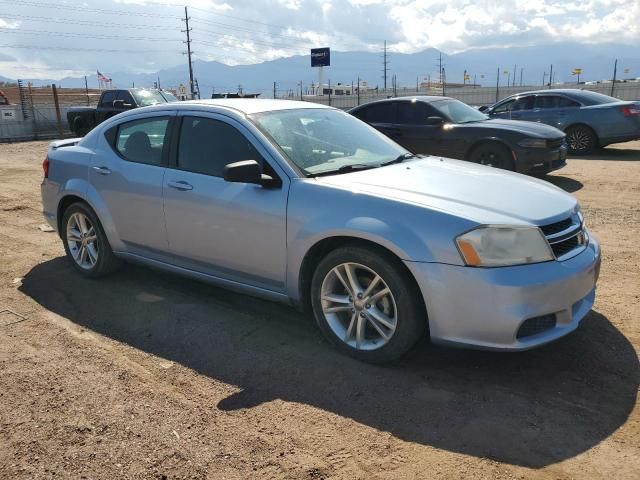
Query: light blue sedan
(589, 119)
(305, 204)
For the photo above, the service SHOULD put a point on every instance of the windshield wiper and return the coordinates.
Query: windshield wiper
(399, 159)
(345, 169)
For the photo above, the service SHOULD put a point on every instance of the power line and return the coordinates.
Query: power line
(89, 23)
(83, 35)
(78, 49)
(29, 3)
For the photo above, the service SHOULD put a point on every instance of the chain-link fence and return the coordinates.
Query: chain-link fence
(33, 112)
(475, 96)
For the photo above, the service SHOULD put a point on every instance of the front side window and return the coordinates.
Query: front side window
(142, 141)
(504, 106)
(325, 140)
(522, 103)
(207, 146)
(413, 113)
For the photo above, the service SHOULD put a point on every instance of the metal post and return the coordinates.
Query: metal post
(551, 76)
(86, 89)
(498, 85)
(301, 99)
(274, 90)
(358, 91)
(444, 81)
(521, 76)
(57, 104)
(615, 71)
(329, 92)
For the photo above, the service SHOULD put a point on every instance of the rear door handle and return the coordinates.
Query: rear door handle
(180, 185)
(102, 170)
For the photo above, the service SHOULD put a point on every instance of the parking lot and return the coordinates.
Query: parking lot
(147, 375)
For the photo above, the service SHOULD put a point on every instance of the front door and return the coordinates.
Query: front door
(127, 171)
(234, 231)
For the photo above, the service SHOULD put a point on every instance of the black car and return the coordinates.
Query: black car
(449, 128)
(112, 102)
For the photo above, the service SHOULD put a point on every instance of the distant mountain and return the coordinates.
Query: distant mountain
(482, 64)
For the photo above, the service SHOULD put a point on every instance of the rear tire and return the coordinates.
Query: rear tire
(493, 155)
(360, 319)
(85, 242)
(581, 140)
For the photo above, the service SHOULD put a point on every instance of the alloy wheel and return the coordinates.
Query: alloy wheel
(579, 140)
(359, 306)
(82, 241)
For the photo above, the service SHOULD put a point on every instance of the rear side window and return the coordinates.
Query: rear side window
(108, 98)
(207, 146)
(378, 113)
(142, 141)
(554, 101)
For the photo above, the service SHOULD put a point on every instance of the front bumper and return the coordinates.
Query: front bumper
(540, 161)
(485, 307)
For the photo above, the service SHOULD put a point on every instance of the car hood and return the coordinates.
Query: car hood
(530, 129)
(485, 195)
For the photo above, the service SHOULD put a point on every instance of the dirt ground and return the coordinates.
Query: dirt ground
(146, 375)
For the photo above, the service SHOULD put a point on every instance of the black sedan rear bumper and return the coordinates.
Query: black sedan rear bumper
(537, 161)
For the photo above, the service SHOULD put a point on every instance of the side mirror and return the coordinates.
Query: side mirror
(483, 108)
(435, 120)
(247, 171)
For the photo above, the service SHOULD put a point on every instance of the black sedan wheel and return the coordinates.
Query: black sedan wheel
(492, 155)
(581, 140)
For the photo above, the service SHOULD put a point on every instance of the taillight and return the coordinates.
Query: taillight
(631, 110)
(45, 167)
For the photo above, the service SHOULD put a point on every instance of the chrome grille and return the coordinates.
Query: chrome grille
(567, 237)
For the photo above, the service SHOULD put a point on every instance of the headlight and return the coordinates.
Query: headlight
(497, 246)
(533, 143)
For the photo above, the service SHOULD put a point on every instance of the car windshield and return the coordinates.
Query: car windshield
(458, 112)
(169, 97)
(322, 141)
(145, 98)
(594, 98)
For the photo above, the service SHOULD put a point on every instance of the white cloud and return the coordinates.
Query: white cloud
(246, 31)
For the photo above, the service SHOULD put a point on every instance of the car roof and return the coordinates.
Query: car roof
(566, 91)
(249, 106)
(414, 98)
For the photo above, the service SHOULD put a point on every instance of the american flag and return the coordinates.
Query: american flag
(102, 77)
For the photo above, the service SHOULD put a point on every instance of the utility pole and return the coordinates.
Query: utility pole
(197, 88)
(551, 76)
(544, 77)
(417, 85)
(440, 69)
(274, 89)
(159, 87)
(615, 71)
(497, 85)
(513, 83)
(444, 80)
(189, 52)
(521, 70)
(385, 64)
(358, 91)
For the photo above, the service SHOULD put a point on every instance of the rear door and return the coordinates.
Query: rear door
(553, 110)
(234, 231)
(127, 171)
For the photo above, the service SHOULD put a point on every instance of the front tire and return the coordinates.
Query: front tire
(85, 242)
(581, 140)
(493, 155)
(366, 304)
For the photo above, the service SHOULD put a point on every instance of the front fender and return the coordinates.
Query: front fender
(317, 212)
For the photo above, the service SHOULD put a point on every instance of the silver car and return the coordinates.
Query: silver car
(305, 204)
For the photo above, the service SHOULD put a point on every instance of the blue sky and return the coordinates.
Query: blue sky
(55, 38)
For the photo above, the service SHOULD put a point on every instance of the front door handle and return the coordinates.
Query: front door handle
(102, 170)
(180, 185)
